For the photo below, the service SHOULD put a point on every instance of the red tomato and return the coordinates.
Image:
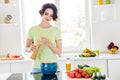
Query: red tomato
(71, 74)
(90, 75)
(80, 70)
(16, 56)
(83, 74)
(87, 52)
(87, 76)
(76, 70)
(78, 75)
(8, 55)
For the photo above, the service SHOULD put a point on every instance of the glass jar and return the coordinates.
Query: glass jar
(100, 2)
(68, 65)
(108, 1)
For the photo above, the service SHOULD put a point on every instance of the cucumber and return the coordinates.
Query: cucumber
(98, 76)
(102, 76)
(93, 55)
(86, 65)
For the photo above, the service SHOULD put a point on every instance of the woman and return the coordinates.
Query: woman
(48, 35)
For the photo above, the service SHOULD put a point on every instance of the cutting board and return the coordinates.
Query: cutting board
(3, 59)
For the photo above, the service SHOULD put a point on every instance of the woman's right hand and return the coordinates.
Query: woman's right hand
(33, 47)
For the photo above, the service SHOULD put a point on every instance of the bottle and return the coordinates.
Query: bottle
(34, 53)
(100, 2)
(68, 65)
(108, 1)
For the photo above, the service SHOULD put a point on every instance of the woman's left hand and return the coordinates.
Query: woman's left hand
(45, 41)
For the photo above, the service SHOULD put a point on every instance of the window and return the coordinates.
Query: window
(72, 21)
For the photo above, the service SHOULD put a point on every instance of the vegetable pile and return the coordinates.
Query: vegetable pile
(86, 71)
(89, 53)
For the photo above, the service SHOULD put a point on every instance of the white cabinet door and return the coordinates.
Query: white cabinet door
(21, 66)
(4, 67)
(113, 67)
(102, 64)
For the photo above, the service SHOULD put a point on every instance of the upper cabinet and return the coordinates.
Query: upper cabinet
(9, 12)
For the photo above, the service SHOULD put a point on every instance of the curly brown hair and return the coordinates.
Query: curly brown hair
(52, 6)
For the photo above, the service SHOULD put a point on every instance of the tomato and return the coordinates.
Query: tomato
(87, 76)
(8, 55)
(87, 52)
(90, 75)
(83, 74)
(71, 74)
(80, 70)
(78, 75)
(15, 56)
(76, 70)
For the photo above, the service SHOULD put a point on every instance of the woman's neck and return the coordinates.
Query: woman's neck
(44, 25)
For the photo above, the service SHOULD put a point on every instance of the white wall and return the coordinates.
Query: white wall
(10, 34)
(104, 33)
(106, 25)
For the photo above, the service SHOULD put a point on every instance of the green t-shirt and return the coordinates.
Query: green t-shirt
(45, 54)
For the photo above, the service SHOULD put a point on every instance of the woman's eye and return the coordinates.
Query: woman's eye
(46, 13)
(51, 15)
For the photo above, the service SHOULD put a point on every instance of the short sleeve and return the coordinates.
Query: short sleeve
(58, 34)
(30, 34)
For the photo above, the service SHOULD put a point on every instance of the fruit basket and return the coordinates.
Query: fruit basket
(112, 48)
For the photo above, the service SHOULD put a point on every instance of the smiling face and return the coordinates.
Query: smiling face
(48, 15)
(49, 10)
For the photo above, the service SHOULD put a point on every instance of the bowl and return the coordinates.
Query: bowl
(49, 77)
(48, 68)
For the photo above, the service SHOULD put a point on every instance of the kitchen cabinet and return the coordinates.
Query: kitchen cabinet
(113, 69)
(4, 67)
(21, 66)
(15, 66)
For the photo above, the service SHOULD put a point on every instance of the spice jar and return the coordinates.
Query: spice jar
(100, 2)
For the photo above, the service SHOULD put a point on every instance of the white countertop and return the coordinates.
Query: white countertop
(101, 56)
(14, 61)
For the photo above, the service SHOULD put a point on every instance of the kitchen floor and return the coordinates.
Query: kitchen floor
(26, 76)
(14, 76)
(10, 76)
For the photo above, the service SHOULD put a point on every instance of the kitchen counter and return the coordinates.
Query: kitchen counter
(58, 76)
(38, 76)
(105, 61)
(101, 56)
